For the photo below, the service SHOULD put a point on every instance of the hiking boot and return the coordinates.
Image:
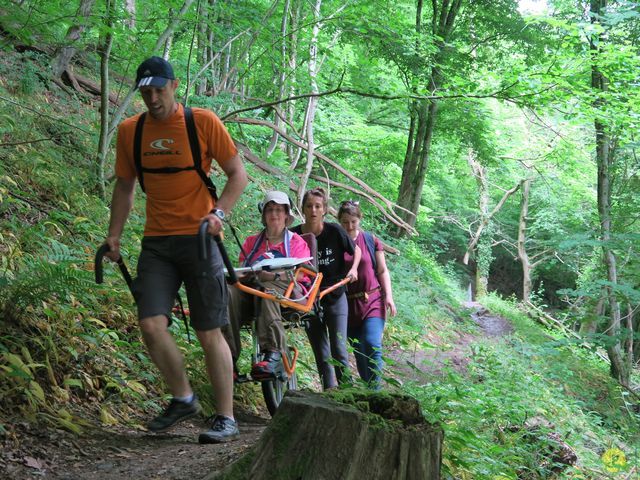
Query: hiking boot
(222, 430)
(174, 413)
(270, 367)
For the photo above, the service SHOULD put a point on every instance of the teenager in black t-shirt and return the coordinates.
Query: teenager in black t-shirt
(328, 338)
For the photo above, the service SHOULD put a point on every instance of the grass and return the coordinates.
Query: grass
(487, 412)
(70, 351)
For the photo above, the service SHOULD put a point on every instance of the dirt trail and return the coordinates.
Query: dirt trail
(422, 365)
(120, 453)
(123, 453)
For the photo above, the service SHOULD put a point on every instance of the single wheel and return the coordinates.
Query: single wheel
(274, 390)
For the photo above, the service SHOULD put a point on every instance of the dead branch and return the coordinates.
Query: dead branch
(254, 159)
(339, 89)
(26, 142)
(551, 322)
(481, 227)
(389, 207)
(93, 88)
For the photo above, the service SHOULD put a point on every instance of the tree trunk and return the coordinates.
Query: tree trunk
(66, 53)
(589, 324)
(293, 153)
(130, 8)
(103, 143)
(376, 435)
(620, 361)
(313, 101)
(527, 285)
(203, 46)
(282, 75)
(424, 112)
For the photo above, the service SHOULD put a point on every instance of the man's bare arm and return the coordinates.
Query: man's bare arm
(121, 203)
(237, 180)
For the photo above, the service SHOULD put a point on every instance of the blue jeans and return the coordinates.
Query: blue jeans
(366, 340)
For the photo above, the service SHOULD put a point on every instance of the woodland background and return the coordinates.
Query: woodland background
(492, 145)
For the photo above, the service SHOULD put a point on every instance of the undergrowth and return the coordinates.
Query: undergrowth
(71, 354)
(531, 379)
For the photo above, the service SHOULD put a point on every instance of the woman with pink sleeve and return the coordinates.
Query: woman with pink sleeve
(274, 241)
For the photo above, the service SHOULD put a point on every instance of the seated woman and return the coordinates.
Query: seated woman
(274, 241)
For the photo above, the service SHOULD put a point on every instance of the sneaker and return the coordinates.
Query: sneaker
(270, 367)
(222, 430)
(174, 413)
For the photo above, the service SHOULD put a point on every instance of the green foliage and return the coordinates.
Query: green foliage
(487, 422)
(65, 341)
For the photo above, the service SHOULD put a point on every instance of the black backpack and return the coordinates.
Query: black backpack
(371, 246)
(195, 153)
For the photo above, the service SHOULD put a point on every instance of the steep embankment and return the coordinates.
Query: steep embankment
(76, 385)
(117, 452)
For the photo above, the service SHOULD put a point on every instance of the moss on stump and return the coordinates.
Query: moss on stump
(344, 435)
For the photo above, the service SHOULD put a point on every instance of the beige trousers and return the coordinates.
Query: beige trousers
(244, 307)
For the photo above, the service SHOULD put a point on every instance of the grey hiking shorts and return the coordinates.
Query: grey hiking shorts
(167, 262)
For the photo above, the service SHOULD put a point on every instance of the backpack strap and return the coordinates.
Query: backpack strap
(194, 144)
(137, 148)
(371, 246)
(287, 241)
(195, 151)
(249, 257)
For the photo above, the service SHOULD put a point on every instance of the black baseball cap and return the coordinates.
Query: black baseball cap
(154, 72)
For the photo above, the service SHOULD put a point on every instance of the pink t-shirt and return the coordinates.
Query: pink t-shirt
(298, 248)
(359, 308)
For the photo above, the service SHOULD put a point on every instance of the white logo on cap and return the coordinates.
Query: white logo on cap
(159, 144)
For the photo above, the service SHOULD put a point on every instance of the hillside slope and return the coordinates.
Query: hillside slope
(74, 372)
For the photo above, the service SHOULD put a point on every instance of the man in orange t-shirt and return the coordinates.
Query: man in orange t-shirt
(177, 201)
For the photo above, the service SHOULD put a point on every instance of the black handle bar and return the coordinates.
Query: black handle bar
(121, 265)
(204, 254)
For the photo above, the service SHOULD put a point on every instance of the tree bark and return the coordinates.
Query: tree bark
(620, 360)
(527, 285)
(103, 145)
(130, 8)
(293, 153)
(424, 112)
(374, 435)
(313, 101)
(282, 76)
(66, 53)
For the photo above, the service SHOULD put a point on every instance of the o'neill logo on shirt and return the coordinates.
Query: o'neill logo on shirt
(160, 145)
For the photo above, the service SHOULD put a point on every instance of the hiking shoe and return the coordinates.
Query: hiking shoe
(174, 413)
(222, 430)
(270, 367)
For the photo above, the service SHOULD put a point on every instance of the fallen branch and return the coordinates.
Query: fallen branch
(94, 88)
(388, 208)
(551, 322)
(26, 142)
(390, 216)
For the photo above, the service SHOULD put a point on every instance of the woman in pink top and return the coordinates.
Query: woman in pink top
(274, 241)
(369, 297)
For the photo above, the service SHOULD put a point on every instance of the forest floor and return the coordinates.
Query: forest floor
(127, 453)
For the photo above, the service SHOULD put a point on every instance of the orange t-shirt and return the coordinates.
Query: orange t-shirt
(176, 202)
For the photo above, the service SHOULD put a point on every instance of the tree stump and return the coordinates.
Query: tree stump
(354, 435)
